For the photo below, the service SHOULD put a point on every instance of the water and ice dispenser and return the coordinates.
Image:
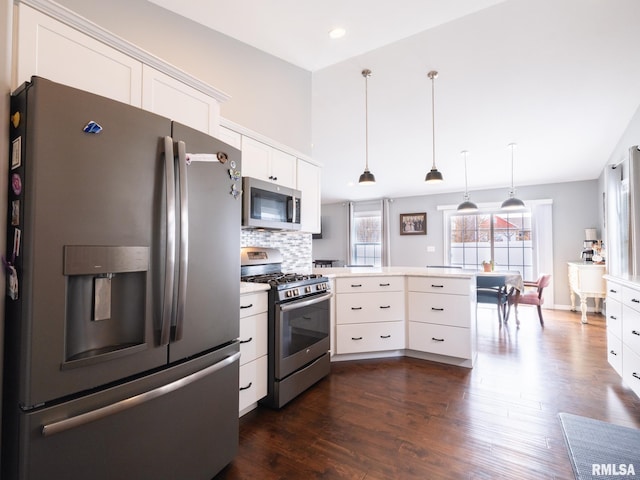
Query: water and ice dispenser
(106, 302)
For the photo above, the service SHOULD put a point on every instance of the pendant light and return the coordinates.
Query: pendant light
(467, 205)
(512, 203)
(433, 176)
(367, 177)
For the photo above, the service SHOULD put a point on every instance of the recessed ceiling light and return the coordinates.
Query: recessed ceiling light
(337, 32)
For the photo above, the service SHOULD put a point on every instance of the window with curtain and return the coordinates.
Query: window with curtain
(368, 233)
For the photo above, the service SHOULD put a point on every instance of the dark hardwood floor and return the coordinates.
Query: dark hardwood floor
(411, 419)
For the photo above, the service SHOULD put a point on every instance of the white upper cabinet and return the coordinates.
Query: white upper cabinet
(170, 98)
(230, 137)
(308, 182)
(267, 163)
(54, 43)
(53, 50)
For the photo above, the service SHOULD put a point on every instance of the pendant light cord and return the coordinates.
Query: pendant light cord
(512, 189)
(433, 75)
(466, 189)
(366, 74)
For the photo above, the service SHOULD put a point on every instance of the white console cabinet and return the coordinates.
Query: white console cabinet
(586, 280)
(253, 350)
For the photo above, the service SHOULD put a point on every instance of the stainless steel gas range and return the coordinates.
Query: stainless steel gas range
(299, 319)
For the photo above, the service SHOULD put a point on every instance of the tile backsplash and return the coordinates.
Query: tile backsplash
(296, 248)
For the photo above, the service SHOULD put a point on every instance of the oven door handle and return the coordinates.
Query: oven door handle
(305, 303)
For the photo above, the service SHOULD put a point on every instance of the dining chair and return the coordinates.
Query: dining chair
(532, 294)
(491, 289)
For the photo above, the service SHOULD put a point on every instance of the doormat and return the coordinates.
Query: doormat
(601, 450)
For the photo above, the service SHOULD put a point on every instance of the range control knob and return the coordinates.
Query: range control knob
(307, 290)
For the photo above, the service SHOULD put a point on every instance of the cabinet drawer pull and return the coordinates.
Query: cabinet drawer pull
(612, 352)
(613, 317)
(611, 290)
(634, 374)
(437, 309)
(356, 308)
(635, 332)
(246, 341)
(635, 300)
(385, 336)
(356, 338)
(385, 284)
(385, 306)
(437, 286)
(242, 307)
(356, 285)
(247, 387)
(437, 339)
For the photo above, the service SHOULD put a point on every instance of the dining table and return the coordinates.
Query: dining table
(512, 279)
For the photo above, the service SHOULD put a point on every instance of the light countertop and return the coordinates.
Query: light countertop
(394, 271)
(251, 287)
(625, 280)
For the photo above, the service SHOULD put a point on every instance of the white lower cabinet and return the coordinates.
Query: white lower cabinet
(623, 330)
(614, 325)
(631, 336)
(253, 384)
(440, 339)
(429, 317)
(614, 352)
(441, 316)
(370, 337)
(253, 350)
(631, 368)
(369, 314)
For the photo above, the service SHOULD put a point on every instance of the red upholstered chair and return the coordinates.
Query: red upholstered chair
(532, 294)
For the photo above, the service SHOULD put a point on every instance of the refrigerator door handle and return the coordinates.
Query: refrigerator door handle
(170, 241)
(115, 408)
(184, 240)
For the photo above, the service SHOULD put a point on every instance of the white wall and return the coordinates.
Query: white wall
(575, 207)
(268, 95)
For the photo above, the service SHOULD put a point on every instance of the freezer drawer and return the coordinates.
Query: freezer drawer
(181, 425)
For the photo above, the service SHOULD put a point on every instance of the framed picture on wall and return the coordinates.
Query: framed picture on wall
(413, 223)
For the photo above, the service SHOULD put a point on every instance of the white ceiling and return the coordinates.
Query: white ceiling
(297, 30)
(561, 78)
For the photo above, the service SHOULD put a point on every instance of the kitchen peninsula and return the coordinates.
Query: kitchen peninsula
(427, 313)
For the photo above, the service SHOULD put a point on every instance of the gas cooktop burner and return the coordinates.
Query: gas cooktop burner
(275, 279)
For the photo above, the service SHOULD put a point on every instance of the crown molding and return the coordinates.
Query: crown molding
(72, 19)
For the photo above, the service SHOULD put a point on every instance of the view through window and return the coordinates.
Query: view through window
(366, 233)
(492, 236)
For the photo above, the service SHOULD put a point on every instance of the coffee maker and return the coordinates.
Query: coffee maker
(591, 247)
(588, 250)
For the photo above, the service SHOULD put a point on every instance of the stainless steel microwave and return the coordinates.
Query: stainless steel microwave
(270, 206)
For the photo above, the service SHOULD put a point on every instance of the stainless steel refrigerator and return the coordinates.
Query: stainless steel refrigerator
(123, 274)
(622, 216)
